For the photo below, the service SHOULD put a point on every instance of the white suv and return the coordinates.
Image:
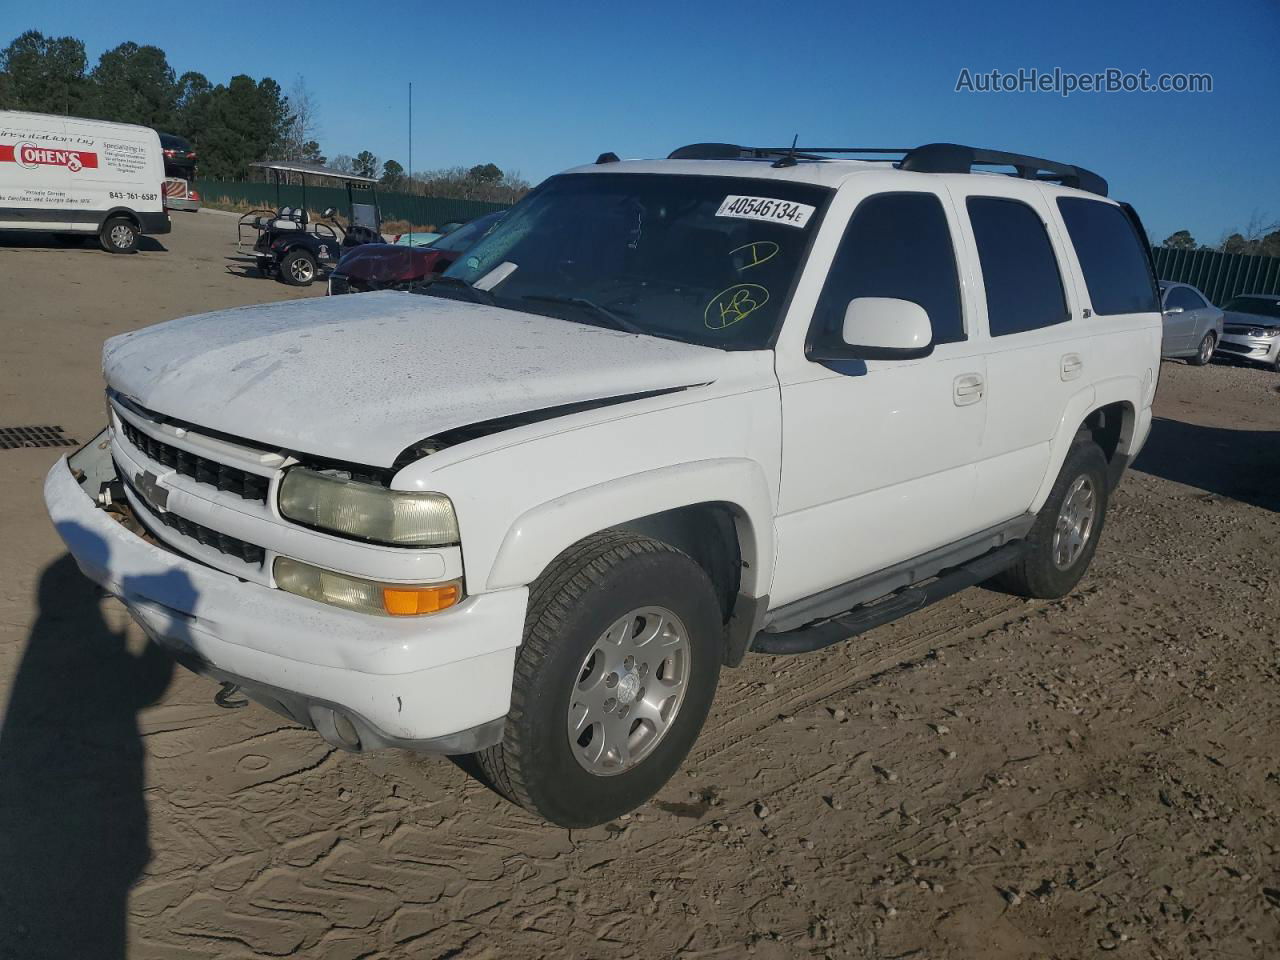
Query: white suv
(665, 414)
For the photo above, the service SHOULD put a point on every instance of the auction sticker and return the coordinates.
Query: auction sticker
(764, 208)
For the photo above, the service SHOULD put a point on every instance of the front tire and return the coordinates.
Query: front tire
(119, 235)
(619, 665)
(298, 268)
(1064, 539)
(1204, 353)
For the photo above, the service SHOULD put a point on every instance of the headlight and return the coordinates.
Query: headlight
(368, 512)
(364, 596)
(1271, 332)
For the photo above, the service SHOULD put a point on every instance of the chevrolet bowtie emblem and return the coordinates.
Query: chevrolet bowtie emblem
(148, 484)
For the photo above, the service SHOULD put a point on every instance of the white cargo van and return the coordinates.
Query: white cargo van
(71, 176)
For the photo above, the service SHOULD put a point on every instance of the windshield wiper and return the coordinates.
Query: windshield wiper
(471, 293)
(610, 318)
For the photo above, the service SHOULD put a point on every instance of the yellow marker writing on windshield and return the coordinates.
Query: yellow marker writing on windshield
(734, 305)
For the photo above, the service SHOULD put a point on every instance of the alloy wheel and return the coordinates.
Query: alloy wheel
(1075, 523)
(628, 691)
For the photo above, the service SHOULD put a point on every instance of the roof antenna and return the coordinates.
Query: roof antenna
(790, 159)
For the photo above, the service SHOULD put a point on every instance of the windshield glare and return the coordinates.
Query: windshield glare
(707, 260)
(1258, 306)
(468, 233)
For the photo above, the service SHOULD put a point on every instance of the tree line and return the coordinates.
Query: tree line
(231, 124)
(1260, 238)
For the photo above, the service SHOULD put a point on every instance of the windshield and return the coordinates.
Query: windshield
(1258, 306)
(468, 234)
(707, 260)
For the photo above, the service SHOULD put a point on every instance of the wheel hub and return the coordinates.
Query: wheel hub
(628, 687)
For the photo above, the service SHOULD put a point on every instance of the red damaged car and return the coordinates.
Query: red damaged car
(389, 266)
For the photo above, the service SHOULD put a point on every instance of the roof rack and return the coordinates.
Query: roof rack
(929, 158)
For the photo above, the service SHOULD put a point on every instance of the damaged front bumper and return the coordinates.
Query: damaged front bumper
(440, 684)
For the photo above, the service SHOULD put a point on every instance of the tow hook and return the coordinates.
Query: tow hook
(223, 697)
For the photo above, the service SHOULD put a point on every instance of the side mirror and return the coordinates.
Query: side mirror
(1172, 311)
(880, 328)
(330, 213)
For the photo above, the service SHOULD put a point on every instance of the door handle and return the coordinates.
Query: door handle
(1072, 365)
(967, 388)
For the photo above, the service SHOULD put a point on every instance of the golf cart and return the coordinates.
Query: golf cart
(291, 248)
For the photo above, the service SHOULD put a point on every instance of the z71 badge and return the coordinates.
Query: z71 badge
(766, 209)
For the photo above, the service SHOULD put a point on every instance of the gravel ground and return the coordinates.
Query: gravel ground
(990, 777)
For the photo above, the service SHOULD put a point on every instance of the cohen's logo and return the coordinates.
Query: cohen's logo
(30, 156)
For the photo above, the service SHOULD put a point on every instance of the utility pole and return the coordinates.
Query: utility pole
(410, 186)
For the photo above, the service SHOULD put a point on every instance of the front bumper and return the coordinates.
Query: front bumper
(1257, 349)
(440, 684)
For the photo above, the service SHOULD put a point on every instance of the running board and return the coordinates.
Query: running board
(867, 616)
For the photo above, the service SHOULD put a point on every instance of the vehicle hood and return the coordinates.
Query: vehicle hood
(1249, 319)
(361, 378)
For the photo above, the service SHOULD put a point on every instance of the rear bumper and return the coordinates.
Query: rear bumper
(439, 684)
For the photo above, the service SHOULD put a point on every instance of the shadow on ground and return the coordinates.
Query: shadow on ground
(1241, 464)
(73, 822)
(70, 241)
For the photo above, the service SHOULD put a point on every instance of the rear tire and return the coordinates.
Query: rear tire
(1204, 353)
(119, 235)
(1065, 536)
(298, 268)
(622, 645)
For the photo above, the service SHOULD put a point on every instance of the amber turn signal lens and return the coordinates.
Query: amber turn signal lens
(415, 601)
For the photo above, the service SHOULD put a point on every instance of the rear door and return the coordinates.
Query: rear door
(1037, 356)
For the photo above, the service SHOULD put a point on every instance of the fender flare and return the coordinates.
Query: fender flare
(1073, 414)
(539, 534)
(127, 212)
(1124, 390)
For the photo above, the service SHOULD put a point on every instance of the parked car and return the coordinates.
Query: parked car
(79, 178)
(1251, 329)
(664, 414)
(419, 239)
(384, 266)
(1192, 325)
(179, 157)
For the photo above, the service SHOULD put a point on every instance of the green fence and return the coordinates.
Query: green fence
(1219, 275)
(420, 211)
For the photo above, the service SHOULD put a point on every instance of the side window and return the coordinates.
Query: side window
(1184, 298)
(1111, 255)
(896, 245)
(1019, 270)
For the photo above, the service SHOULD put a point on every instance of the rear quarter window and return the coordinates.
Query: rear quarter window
(1111, 256)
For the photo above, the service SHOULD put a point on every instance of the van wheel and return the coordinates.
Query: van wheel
(298, 268)
(119, 235)
(619, 665)
(1061, 545)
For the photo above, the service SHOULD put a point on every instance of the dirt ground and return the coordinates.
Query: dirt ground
(990, 777)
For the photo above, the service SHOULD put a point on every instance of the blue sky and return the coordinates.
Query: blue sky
(540, 87)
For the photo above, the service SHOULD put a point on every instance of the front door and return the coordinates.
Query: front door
(877, 455)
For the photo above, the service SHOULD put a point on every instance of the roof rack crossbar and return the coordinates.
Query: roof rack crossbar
(929, 158)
